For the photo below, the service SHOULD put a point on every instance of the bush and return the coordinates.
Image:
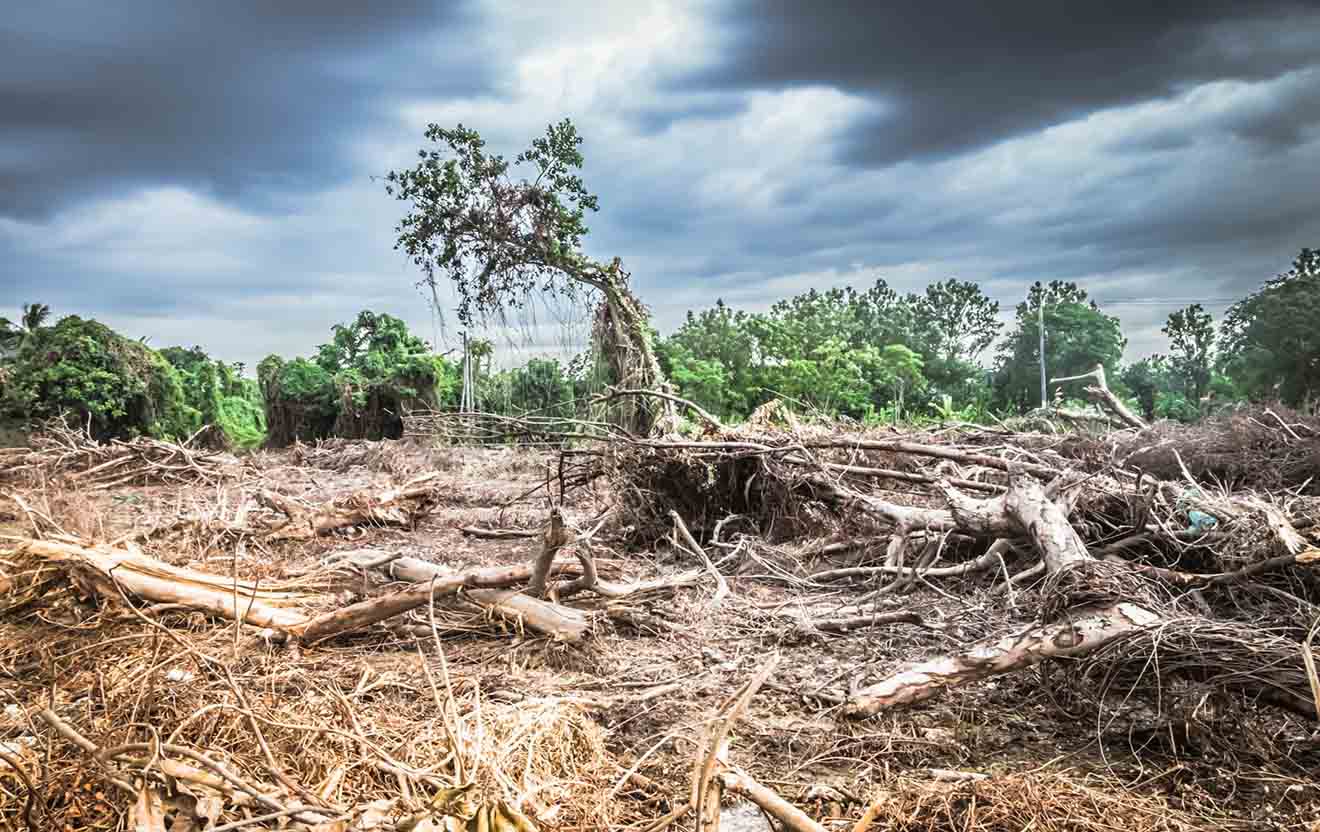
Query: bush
(221, 396)
(358, 386)
(85, 371)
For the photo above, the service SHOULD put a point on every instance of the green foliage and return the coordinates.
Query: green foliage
(1148, 379)
(711, 359)
(1078, 337)
(358, 385)
(220, 396)
(959, 321)
(496, 237)
(1271, 343)
(1191, 334)
(840, 351)
(83, 370)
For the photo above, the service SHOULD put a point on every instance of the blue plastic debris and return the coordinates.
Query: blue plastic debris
(1201, 522)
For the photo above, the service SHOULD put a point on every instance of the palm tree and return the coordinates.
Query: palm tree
(34, 316)
(14, 336)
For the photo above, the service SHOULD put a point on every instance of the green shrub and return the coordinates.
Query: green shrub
(83, 370)
(220, 395)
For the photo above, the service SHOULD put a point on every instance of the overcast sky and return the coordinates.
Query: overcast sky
(202, 173)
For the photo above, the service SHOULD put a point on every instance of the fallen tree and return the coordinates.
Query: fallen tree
(1116, 601)
(403, 506)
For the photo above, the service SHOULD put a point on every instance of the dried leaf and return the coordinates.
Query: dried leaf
(147, 814)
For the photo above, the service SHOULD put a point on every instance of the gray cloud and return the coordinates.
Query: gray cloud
(249, 97)
(947, 76)
(206, 179)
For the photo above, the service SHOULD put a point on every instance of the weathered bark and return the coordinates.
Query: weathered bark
(991, 557)
(790, 816)
(97, 569)
(373, 610)
(402, 506)
(1101, 393)
(555, 620)
(1083, 632)
(554, 538)
(1027, 511)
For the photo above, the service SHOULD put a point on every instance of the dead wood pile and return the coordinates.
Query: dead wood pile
(1163, 564)
(1151, 607)
(60, 453)
(1257, 448)
(271, 717)
(341, 455)
(1149, 595)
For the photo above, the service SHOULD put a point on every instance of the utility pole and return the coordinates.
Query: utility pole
(465, 405)
(1040, 324)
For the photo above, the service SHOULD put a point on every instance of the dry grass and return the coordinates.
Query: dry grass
(1042, 801)
(503, 722)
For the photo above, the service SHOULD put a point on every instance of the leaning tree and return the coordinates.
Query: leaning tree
(502, 237)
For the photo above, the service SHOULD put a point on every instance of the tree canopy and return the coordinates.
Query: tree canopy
(359, 384)
(1271, 344)
(500, 231)
(83, 370)
(1078, 337)
(496, 236)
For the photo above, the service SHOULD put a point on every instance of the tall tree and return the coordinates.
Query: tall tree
(712, 358)
(500, 237)
(1147, 379)
(1078, 337)
(1191, 334)
(1270, 341)
(960, 319)
(34, 317)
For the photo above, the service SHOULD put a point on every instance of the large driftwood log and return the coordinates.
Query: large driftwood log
(103, 570)
(374, 610)
(1082, 632)
(402, 506)
(1087, 612)
(1027, 511)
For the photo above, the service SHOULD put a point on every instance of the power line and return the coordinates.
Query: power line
(1135, 301)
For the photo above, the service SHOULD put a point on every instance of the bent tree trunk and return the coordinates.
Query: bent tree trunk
(622, 338)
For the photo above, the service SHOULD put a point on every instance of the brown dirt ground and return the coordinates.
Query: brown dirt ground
(1018, 728)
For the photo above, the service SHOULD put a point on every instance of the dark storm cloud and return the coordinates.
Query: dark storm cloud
(246, 97)
(203, 176)
(947, 77)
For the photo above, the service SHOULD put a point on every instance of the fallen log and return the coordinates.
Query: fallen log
(555, 620)
(1083, 632)
(103, 571)
(1089, 603)
(737, 780)
(402, 506)
(96, 570)
(373, 610)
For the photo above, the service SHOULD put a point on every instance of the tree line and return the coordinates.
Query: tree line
(879, 355)
(871, 355)
(500, 231)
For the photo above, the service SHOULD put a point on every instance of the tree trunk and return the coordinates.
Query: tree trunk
(622, 337)
(1082, 632)
(402, 506)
